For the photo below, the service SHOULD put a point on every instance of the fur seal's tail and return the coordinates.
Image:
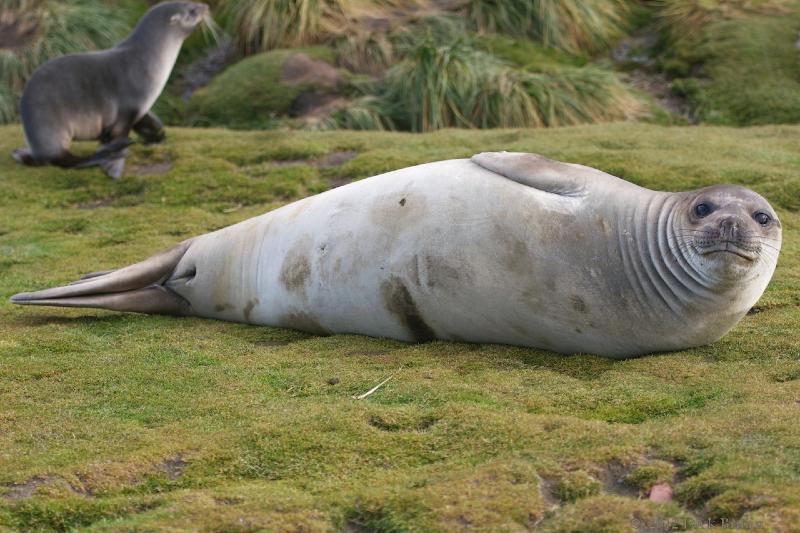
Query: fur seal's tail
(138, 288)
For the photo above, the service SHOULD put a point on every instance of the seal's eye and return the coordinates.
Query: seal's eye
(702, 210)
(762, 218)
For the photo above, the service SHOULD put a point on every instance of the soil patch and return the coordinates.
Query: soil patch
(150, 169)
(20, 491)
(201, 72)
(16, 31)
(333, 159)
(174, 466)
(659, 86)
(636, 53)
(96, 203)
(271, 343)
(614, 481)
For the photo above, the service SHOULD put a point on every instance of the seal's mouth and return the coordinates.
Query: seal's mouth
(730, 247)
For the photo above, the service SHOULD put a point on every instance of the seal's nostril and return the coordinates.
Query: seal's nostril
(729, 228)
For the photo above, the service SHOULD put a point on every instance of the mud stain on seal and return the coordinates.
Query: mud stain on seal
(296, 270)
(578, 304)
(302, 321)
(400, 303)
(249, 308)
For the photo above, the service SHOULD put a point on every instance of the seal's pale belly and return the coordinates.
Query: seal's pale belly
(447, 250)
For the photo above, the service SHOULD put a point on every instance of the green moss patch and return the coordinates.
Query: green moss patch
(252, 94)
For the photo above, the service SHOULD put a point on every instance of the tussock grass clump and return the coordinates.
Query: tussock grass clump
(685, 18)
(364, 113)
(34, 31)
(578, 26)
(736, 63)
(456, 86)
(575, 26)
(375, 37)
(366, 50)
(261, 25)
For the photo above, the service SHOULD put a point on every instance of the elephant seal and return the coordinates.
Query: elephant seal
(503, 248)
(103, 95)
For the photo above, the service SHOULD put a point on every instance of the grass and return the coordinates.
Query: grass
(262, 25)
(735, 62)
(455, 85)
(574, 26)
(754, 72)
(112, 422)
(684, 18)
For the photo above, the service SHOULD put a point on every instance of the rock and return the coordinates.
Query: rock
(661, 493)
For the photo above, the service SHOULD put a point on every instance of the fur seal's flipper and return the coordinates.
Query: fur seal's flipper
(110, 157)
(24, 157)
(137, 288)
(150, 128)
(114, 167)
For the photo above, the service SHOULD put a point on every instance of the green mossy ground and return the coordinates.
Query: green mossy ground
(138, 423)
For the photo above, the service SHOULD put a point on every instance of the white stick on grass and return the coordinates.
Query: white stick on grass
(373, 389)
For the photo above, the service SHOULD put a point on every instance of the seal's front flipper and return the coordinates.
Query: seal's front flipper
(565, 179)
(136, 288)
(150, 128)
(24, 157)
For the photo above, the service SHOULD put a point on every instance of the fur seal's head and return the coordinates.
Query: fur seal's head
(730, 232)
(180, 17)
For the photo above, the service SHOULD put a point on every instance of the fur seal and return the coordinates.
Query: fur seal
(103, 95)
(502, 248)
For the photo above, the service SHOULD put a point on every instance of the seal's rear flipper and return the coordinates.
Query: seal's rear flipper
(137, 288)
(110, 157)
(538, 172)
(114, 167)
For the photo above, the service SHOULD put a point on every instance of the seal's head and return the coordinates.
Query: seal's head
(180, 17)
(731, 233)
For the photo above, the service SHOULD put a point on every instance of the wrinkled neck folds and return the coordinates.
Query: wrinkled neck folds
(661, 264)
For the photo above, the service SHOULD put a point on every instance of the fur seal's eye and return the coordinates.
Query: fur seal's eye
(702, 210)
(762, 218)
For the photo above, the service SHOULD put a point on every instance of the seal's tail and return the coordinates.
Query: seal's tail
(137, 288)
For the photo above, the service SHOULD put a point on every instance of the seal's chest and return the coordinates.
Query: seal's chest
(158, 79)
